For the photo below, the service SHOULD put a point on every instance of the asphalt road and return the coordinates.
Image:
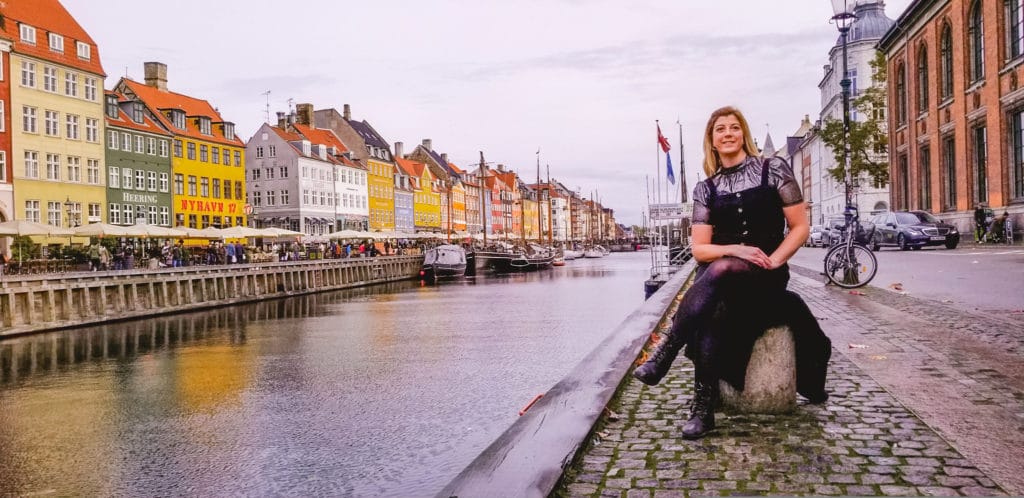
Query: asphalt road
(972, 278)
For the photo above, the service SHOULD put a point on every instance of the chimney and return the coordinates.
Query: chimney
(156, 75)
(280, 120)
(501, 168)
(347, 112)
(428, 144)
(304, 114)
(290, 119)
(444, 157)
(399, 149)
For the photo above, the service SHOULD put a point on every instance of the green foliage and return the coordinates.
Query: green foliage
(868, 138)
(23, 248)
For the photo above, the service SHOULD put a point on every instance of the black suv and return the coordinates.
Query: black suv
(913, 230)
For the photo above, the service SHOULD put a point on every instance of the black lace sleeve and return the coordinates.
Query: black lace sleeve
(781, 175)
(701, 213)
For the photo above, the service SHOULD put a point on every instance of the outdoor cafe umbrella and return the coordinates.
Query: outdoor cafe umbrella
(201, 233)
(240, 232)
(100, 230)
(349, 234)
(25, 227)
(280, 232)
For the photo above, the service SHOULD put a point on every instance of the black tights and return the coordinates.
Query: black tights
(730, 280)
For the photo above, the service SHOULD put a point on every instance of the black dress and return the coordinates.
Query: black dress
(730, 306)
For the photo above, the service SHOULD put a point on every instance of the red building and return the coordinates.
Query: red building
(6, 167)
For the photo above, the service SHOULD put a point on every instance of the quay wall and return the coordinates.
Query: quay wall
(529, 458)
(36, 303)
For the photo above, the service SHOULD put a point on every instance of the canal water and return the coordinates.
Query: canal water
(382, 391)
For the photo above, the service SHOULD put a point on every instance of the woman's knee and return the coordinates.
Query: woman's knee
(724, 267)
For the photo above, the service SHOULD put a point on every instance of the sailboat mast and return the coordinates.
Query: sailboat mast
(481, 176)
(551, 221)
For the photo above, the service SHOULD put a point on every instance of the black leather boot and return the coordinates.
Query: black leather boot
(658, 364)
(702, 412)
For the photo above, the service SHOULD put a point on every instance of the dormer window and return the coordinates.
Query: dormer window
(112, 106)
(84, 51)
(28, 34)
(56, 43)
(178, 118)
(229, 131)
(137, 112)
(204, 125)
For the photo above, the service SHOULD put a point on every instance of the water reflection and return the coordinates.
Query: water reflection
(386, 390)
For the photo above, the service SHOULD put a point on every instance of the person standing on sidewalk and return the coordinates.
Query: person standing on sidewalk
(739, 217)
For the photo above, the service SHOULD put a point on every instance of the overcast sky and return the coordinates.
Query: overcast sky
(581, 80)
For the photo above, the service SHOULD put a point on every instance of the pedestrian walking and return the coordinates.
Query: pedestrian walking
(739, 216)
(94, 256)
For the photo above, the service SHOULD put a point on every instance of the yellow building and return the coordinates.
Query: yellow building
(380, 183)
(530, 220)
(457, 201)
(207, 159)
(56, 110)
(426, 199)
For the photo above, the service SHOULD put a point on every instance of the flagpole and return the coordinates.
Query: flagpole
(657, 178)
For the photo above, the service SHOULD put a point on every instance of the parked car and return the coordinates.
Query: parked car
(832, 232)
(814, 239)
(913, 230)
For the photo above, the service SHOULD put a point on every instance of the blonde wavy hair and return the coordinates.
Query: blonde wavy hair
(712, 163)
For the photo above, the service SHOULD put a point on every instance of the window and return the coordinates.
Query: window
(50, 79)
(129, 214)
(192, 151)
(92, 171)
(979, 142)
(154, 216)
(84, 51)
(151, 181)
(112, 110)
(92, 130)
(28, 74)
(227, 188)
(28, 34)
(3, 110)
(270, 173)
(71, 121)
(126, 142)
(137, 113)
(204, 125)
(32, 211)
(177, 148)
(204, 186)
(151, 146)
(126, 178)
(305, 196)
(215, 153)
(164, 180)
(975, 43)
(922, 79)
(192, 186)
(28, 119)
(140, 179)
(238, 158)
(90, 89)
(949, 172)
(284, 198)
(271, 198)
(259, 152)
(50, 126)
(1017, 155)
(1014, 28)
(139, 141)
(56, 43)
(238, 191)
(229, 131)
(178, 119)
(204, 153)
(272, 149)
(112, 141)
(70, 84)
(53, 213)
(163, 148)
(165, 216)
(284, 171)
(115, 214)
(901, 94)
(179, 184)
(192, 221)
(3, 166)
(52, 167)
(74, 169)
(925, 162)
(216, 188)
(114, 177)
(257, 198)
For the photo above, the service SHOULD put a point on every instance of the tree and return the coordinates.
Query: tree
(869, 143)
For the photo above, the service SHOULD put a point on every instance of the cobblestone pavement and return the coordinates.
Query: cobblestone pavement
(915, 409)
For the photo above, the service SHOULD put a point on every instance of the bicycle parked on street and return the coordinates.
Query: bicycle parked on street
(850, 264)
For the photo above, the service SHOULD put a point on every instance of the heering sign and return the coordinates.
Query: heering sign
(130, 197)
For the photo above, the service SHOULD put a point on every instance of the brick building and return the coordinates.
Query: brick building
(956, 120)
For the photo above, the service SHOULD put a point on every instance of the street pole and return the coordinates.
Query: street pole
(845, 84)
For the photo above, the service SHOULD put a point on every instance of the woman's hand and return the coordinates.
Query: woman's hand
(753, 254)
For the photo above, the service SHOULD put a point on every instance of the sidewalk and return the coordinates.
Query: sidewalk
(933, 404)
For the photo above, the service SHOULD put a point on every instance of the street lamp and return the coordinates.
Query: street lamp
(72, 215)
(844, 19)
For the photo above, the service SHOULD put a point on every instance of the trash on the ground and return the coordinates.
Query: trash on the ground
(878, 357)
(857, 346)
(896, 286)
(611, 415)
(602, 435)
(857, 293)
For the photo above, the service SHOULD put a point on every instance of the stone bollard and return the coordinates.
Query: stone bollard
(770, 385)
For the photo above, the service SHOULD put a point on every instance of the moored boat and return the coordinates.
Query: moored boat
(444, 261)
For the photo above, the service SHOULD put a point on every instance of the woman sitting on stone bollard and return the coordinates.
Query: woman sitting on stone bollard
(740, 213)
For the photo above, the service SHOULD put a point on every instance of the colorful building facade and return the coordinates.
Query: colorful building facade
(138, 165)
(56, 100)
(207, 158)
